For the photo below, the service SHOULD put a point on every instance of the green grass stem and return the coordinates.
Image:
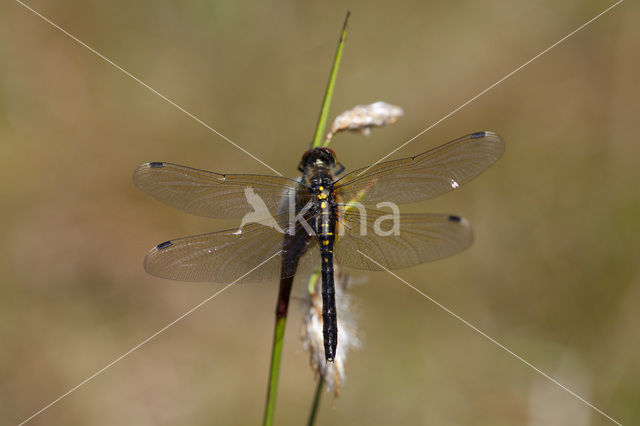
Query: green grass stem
(318, 138)
(285, 285)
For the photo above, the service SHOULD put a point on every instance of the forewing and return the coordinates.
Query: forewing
(424, 176)
(420, 238)
(215, 195)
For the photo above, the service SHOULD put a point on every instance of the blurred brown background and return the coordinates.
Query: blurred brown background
(553, 274)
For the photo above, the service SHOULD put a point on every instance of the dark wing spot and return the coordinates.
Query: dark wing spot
(156, 164)
(477, 135)
(454, 218)
(164, 245)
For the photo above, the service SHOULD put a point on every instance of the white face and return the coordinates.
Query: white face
(319, 158)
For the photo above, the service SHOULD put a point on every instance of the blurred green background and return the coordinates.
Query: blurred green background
(553, 274)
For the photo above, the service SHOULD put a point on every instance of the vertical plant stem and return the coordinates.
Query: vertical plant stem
(276, 352)
(318, 138)
(286, 283)
(276, 355)
(316, 401)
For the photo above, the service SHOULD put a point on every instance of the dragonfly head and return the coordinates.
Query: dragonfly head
(318, 158)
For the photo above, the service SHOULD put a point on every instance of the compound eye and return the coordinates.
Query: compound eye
(333, 155)
(305, 156)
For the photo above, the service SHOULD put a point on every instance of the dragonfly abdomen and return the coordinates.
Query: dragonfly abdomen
(329, 318)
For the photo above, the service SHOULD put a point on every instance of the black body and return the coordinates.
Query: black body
(319, 166)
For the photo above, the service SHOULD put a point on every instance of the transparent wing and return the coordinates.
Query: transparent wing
(215, 195)
(254, 255)
(418, 238)
(424, 176)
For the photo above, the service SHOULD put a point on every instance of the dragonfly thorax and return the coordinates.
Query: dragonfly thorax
(321, 183)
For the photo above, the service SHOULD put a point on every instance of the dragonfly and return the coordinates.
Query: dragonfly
(293, 226)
